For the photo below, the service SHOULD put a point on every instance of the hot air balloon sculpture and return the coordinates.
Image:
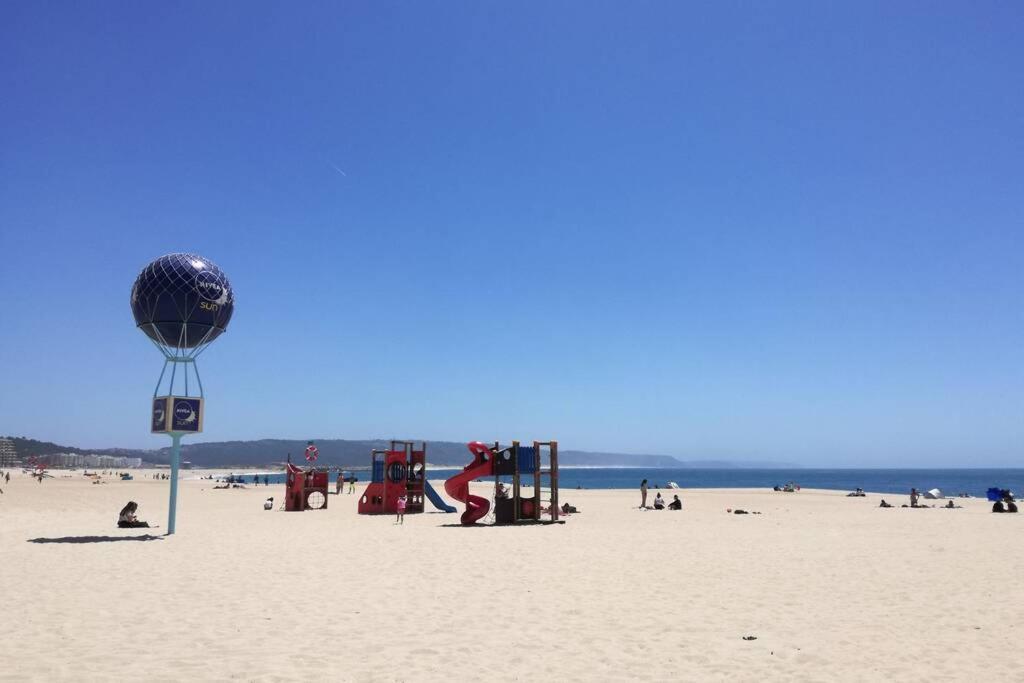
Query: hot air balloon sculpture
(182, 303)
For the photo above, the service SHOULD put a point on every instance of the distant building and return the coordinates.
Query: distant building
(75, 460)
(8, 456)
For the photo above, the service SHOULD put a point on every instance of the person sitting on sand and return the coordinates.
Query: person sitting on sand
(268, 504)
(659, 502)
(859, 493)
(127, 519)
(500, 492)
(676, 504)
(568, 509)
(998, 506)
(1010, 505)
(952, 506)
(883, 504)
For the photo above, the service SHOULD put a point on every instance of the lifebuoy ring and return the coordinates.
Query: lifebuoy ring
(312, 453)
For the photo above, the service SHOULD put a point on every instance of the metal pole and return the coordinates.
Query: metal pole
(175, 452)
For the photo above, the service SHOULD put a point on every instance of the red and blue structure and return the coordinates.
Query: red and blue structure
(522, 464)
(399, 470)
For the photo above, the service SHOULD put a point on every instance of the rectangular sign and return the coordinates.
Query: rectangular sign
(161, 418)
(177, 414)
(187, 415)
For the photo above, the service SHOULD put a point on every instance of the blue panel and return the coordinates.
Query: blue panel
(526, 460)
(378, 471)
(437, 500)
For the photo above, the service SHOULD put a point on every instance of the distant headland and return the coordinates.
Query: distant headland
(356, 452)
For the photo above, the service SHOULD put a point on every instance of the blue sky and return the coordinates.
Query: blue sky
(789, 231)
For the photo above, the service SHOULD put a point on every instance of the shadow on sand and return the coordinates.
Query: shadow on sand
(96, 539)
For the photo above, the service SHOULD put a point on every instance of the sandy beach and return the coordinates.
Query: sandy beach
(830, 587)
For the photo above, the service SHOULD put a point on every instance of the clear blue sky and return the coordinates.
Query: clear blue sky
(788, 231)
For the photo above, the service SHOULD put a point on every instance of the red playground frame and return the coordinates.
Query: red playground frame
(301, 487)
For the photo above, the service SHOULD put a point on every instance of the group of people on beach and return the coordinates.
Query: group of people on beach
(659, 502)
(339, 485)
(1007, 504)
(1004, 504)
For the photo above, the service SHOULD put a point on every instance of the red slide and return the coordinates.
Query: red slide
(458, 486)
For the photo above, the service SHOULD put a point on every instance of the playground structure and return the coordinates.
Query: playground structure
(305, 489)
(400, 470)
(515, 461)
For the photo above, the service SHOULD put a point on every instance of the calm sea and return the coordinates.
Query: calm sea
(953, 481)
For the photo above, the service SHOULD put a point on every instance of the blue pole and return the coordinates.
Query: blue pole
(175, 452)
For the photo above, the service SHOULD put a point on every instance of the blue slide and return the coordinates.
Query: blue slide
(437, 500)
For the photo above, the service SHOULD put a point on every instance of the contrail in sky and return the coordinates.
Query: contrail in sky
(337, 169)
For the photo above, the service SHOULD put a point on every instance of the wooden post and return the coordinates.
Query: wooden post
(554, 481)
(536, 480)
(516, 493)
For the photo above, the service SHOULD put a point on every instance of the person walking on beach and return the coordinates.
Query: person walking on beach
(400, 509)
(643, 495)
(352, 485)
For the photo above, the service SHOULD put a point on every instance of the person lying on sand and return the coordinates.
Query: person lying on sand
(127, 519)
(738, 511)
(883, 504)
(859, 493)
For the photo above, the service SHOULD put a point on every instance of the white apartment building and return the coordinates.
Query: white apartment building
(8, 456)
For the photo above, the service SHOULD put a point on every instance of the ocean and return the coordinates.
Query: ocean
(974, 482)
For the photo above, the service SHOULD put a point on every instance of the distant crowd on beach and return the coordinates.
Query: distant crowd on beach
(1003, 501)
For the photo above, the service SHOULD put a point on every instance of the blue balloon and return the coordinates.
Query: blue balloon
(182, 300)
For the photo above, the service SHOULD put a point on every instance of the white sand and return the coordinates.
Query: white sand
(832, 587)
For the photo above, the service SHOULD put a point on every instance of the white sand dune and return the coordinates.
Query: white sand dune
(833, 588)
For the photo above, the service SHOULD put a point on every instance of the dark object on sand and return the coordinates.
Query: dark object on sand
(126, 519)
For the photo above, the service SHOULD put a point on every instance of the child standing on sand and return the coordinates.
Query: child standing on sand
(400, 509)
